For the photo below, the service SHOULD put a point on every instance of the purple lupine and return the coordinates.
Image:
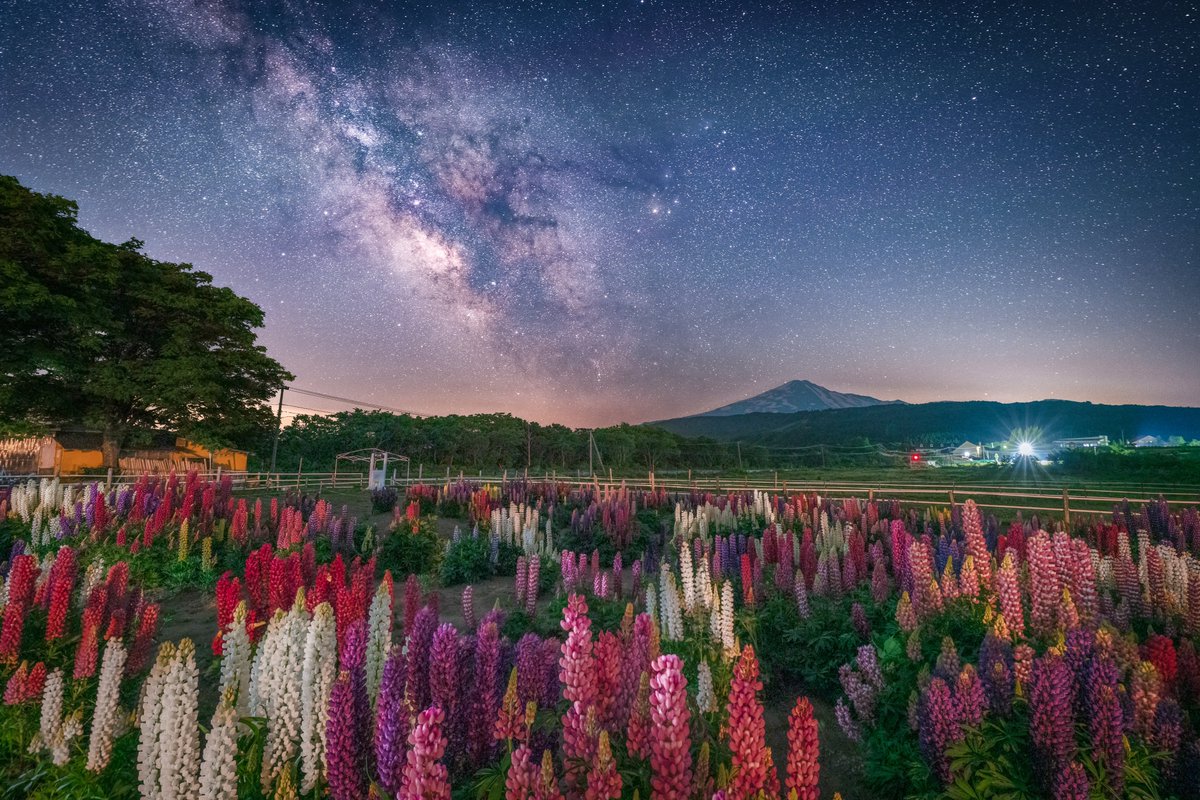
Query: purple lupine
(531, 589)
(862, 695)
(391, 722)
(344, 745)
(996, 672)
(858, 616)
(420, 643)
(846, 721)
(1105, 723)
(520, 583)
(529, 669)
(969, 695)
(487, 695)
(938, 726)
(1072, 783)
(1051, 722)
(1168, 733)
(868, 663)
(444, 684)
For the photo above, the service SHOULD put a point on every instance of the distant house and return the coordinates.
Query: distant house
(74, 452)
(1149, 441)
(1080, 442)
(971, 451)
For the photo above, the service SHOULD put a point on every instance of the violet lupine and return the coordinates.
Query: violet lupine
(669, 739)
(753, 772)
(344, 743)
(425, 777)
(420, 643)
(938, 725)
(803, 761)
(391, 722)
(1051, 721)
(577, 673)
(487, 692)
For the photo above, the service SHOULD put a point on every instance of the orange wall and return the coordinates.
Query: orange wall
(73, 461)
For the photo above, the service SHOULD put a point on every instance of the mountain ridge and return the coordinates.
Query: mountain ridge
(792, 397)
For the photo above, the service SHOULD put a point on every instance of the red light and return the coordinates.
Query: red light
(916, 456)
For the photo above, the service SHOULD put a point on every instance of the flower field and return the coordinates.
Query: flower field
(637, 647)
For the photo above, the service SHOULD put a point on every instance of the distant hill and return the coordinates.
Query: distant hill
(942, 424)
(795, 396)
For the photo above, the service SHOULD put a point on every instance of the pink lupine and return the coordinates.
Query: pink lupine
(638, 731)
(747, 731)
(670, 735)
(976, 544)
(62, 582)
(879, 583)
(1008, 591)
(425, 777)
(523, 780)
(1084, 582)
(968, 579)
(607, 659)
(577, 672)
(603, 780)
(531, 589)
(803, 761)
(939, 725)
(1045, 587)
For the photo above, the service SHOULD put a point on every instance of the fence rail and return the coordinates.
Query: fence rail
(1057, 499)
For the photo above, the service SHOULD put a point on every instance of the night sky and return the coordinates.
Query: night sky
(599, 211)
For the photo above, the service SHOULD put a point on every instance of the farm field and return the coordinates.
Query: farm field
(174, 638)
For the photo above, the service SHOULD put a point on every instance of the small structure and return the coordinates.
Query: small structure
(1080, 443)
(373, 456)
(75, 452)
(970, 451)
(1149, 441)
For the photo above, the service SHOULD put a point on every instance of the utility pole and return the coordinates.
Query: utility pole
(591, 469)
(278, 428)
(739, 446)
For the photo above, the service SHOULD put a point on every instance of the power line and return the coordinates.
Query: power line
(358, 403)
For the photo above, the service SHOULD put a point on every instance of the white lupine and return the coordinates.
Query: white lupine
(728, 642)
(104, 719)
(92, 577)
(60, 745)
(283, 717)
(264, 662)
(319, 672)
(150, 719)
(3, 593)
(235, 660)
(52, 706)
(687, 575)
(714, 619)
(704, 589)
(651, 602)
(706, 700)
(218, 770)
(379, 639)
(179, 728)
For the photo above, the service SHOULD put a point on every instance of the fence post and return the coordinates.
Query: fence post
(1066, 508)
(108, 483)
(951, 498)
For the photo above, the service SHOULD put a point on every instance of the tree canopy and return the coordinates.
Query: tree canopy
(102, 336)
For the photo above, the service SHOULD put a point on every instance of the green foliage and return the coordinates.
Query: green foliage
(469, 561)
(103, 336)
(408, 549)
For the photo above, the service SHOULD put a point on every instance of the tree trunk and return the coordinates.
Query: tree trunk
(110, 449)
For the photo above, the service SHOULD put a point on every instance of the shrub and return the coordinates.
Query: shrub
(383, 499)
(410, 548)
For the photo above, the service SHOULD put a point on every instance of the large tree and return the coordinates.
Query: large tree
(103, 336)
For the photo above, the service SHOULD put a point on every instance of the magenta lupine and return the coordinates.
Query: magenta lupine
(577, 672)
(1051, 721)
(487, 693)
(344, 746)
(391, 722)
(420, 643)
(669, 740)
(521, 581)
(939, 727)
(524, 776)
(1072, 783)
(1084, 574)
(425, 777)
(444, 684)
(1044, 587)
(969, 695)
(879, 582)
(1105, 726)
(468, 608)
(531, 589)
(638, 730)
(803, 761)
(603, 780)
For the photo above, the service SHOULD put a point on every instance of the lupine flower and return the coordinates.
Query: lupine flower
(638, 733)
(510, 720)
(444, 687)
(603, 780)
(577, 674)
(706, 700)
(425, 777)
(846, 721)
(379, 637)
(1051, 722)
(906, 616)
(803, 762)
(318, 672)
(344, 747)
(969, 694)
(218, 766)
(62, 580)
(1145, 689)
(670, 737)
(1072, 783)
(531, 590)
(486, 692)
(1008, 591)
(19, 595)
(747, 730)
(468, 608)
(524, 776)
(938, 725)
(420, 642)
(104, 718)
(169, 748)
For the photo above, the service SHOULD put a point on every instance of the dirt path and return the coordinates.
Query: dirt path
(841, 764)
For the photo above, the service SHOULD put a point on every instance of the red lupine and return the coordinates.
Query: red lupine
(14, 690)
(229, 594)
(803, 761)
(577, 672)
(1159, 650)
(143, 642)
(747, 731)
(638, 732)
(669, 740)
(62, 583)
(20, 593)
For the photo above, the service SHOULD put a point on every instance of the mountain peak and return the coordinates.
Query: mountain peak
(795, 395)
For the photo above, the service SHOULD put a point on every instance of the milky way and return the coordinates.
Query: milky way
(595, 212)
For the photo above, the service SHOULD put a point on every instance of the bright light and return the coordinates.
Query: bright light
(1025, 449)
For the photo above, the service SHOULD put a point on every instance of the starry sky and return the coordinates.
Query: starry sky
(588, 212)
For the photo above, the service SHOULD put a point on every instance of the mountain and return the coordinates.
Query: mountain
(944, 423)
(796, 396)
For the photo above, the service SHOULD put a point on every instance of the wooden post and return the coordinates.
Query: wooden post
(108, 483)
(299, 469)
(951, 498)
(1066, 509)
(870, 495)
